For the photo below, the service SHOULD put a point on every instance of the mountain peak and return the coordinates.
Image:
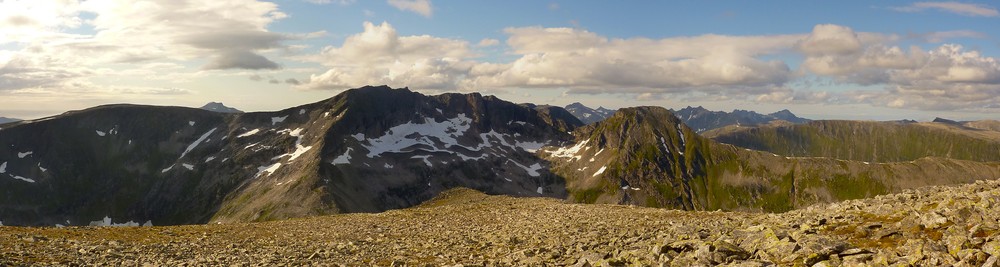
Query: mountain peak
(219, 107)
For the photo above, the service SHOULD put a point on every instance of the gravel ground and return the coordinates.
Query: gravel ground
(931, 226)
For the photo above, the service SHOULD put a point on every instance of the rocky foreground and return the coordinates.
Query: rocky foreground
(932, 226)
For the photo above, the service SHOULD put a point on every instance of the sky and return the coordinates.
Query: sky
(867, 60)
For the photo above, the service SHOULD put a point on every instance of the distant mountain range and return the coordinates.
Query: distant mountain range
(219, 107)
(376, 148)
(588, 115)
(703, 120)
(6, 120)
(697, 118)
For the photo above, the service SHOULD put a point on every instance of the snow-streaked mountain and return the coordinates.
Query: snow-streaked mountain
(364, 150)
(219, 107)
(588, 115)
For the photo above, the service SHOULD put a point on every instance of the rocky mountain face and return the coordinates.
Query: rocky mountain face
(703, 120)
(870, 141)
(368, 149)
(647, 156)
(219, 107)
(588, 115)
(6, 120)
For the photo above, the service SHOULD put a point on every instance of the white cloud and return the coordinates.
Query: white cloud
(578, 60)
(965, 9)
(149, 40)
(422, 7)
(488, 42)
(339, 2)
(938, 37)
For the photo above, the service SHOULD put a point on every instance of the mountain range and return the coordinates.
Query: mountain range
(219, 107)
(698, 118)
(6, 120)
(376, 148)
(588, 115)
(703, 120)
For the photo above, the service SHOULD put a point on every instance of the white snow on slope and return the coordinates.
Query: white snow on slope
(191, 123)
(100, 133)
(387, 166)
(3, 167)
(394, 140)
(540, 190)
(299, 148)
(600, 171)
(107, 222)
(42, 169)
(188, 166)
(197, 142)
(359, 136)
(428, 162)
(664, 143)
(25, 154)
(22, 178)
(343, 159)
(276, 120)
(249, 133)
(269, 169)
(302, 111)
(209, 159)
(533, 170)
(568, 152)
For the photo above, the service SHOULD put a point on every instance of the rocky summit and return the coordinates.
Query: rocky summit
(930, 226)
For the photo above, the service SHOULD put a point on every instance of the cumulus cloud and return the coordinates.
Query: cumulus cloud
(579, 60)
(240, 60)
(488, 42)
(422, 7)
(946, 77)
(965, 9)
(151, 40)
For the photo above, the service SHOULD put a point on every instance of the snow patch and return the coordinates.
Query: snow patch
(387, 166)
(531, 147)
(428, 162)
(209, 159)
(108, 223)
(395, 139)
(570, 152)
(540, 190)
(196, 143)
(345, 158)
(191, 123)
(664, 143)
(532, 170)
(359, 136)
(600, 171)
(299, 148)
(3, 167)
(251, 132)
(302, 111)
(269, 169)
(22, 178)
(100, 133)
(41, 168)
(276, 120)
(188, 166)
(25, 154)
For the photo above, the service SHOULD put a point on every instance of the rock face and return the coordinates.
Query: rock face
(647, 156)
(588, 115)
(703, 120)
(365, 150)
(465, 227)
(219, 107)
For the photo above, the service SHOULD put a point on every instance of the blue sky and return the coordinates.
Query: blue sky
(826, 60)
